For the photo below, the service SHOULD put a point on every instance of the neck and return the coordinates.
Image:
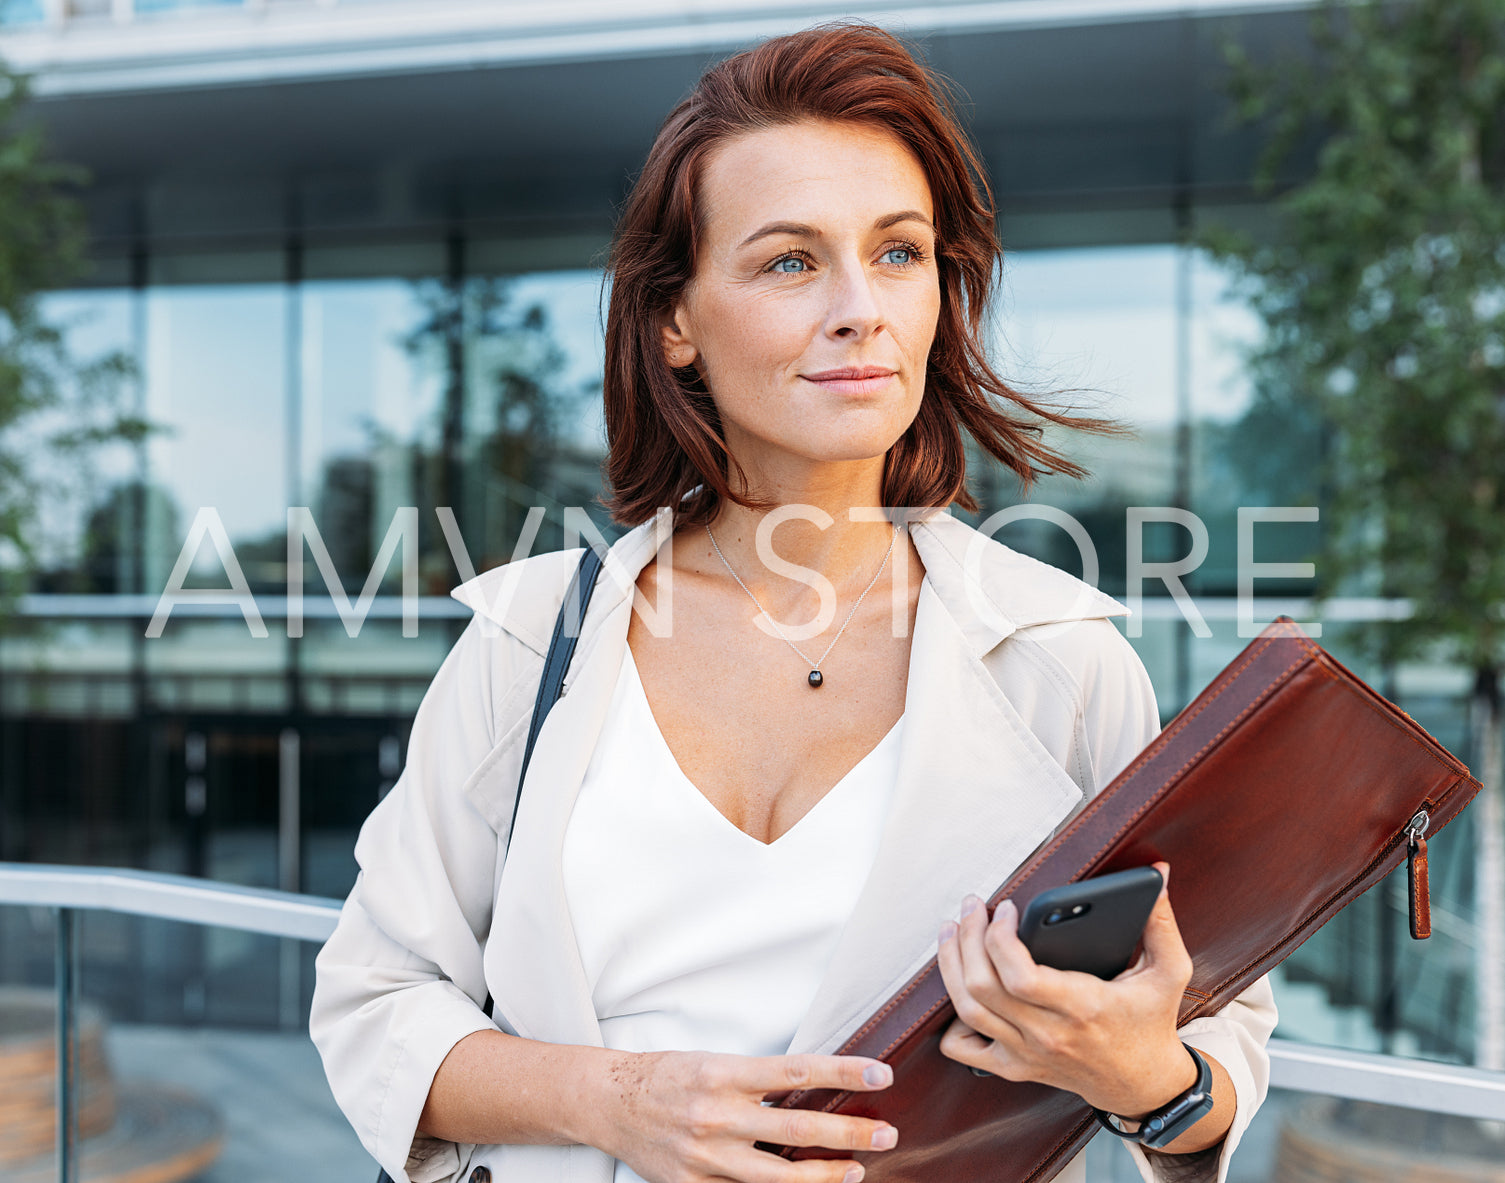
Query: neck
(827, 517)
(843, 541)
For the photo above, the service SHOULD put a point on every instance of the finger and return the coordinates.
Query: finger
(998, 1057)
(969, 1008)
(1038, 987)
(833, 1131)
(972, 1014)
(978, 974)
(767, 1074)
(1164, 950)
(751, 1165)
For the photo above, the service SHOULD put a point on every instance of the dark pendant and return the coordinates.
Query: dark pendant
(815, 679)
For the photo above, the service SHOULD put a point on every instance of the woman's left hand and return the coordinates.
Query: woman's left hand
(1113, 1043)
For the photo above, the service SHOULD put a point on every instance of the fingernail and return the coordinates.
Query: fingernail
(1005, 910)
(948, 930)
(969, 905)
(878, 1075)
(853, 1175)
(886, 1138)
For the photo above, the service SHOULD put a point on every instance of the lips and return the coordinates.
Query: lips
(851, 374)
(853, 380)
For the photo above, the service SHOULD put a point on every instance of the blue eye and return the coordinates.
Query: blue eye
(907, 255)
(791, 263)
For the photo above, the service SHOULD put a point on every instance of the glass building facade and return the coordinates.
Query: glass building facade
(360, 334)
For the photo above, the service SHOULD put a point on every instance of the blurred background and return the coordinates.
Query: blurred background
(346, 254)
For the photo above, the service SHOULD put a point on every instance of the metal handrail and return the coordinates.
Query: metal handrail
(170, 897)
(1387, 1080)
(1361, 1076)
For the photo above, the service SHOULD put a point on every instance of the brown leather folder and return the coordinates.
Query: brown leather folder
(1280, 794)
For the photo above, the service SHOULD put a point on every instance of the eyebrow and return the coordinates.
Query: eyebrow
(801, 230)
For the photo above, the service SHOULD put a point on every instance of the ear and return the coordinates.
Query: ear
(678, 349)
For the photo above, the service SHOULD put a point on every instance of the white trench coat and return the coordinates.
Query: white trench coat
(1022, 701)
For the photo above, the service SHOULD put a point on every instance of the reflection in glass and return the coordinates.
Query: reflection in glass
(1249, 448)
(1099, 326)
(371, 408)
(145, 6)
(534, 428)
(21, 12)
(215, 374)
(86, 507)
(193, 1051)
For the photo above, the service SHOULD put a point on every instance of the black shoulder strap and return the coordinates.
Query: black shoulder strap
(561, 648)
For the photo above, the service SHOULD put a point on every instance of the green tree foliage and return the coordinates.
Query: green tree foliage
(53, 410)
(1383, 295)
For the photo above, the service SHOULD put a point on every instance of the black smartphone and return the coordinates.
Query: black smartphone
(1092, 926)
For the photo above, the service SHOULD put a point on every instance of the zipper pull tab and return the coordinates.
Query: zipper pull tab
(1416, 874)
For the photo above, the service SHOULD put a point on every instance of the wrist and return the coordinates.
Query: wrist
(599, 1090)
(1169, 1128)
(1178, 1073)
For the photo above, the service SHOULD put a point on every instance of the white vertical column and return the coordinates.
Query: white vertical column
(1489, 886)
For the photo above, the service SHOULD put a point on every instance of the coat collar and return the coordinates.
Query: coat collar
(988, 589)
(977, 790)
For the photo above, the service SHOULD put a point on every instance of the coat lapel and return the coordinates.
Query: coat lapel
(976, 795)
(531, 924)
(977, 790)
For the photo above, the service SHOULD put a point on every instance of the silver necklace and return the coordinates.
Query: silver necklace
(816, 678)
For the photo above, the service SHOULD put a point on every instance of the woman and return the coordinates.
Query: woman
(803, 731)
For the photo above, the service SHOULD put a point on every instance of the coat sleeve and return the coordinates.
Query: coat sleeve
(1119, 719)
(400, 981)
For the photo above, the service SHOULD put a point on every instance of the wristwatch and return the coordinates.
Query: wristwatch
(1162, 1127)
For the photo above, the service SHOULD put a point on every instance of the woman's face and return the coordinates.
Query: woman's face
(814, 304)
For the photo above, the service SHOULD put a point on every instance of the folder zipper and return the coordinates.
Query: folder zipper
(1420, 889)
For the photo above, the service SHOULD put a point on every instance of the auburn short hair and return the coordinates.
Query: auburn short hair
(663, 430)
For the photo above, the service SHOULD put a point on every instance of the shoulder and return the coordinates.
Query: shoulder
(976, 573)
(521, 599)
(1050, 643)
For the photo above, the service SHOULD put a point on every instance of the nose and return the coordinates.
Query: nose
(856, 312)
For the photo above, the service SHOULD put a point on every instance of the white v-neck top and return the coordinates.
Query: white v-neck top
(694, 935)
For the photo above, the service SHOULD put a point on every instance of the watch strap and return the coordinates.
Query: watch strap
(1163, 1126)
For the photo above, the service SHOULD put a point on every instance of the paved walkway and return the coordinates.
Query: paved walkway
(281, 1123)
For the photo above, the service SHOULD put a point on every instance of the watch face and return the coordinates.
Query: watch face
(1178, 1116)
(1166, 1128)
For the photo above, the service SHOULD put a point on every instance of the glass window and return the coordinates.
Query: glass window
(21, 12)
(372, 405)
(86, 511)
(1095, 328)
(535, 435)
(216, 370)
(1250, 448)
(145, 6)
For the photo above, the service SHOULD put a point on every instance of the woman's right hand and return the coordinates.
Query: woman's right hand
(692, 1117)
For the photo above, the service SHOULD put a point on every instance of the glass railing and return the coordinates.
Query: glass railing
(183, 1008)
(197, 1054)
